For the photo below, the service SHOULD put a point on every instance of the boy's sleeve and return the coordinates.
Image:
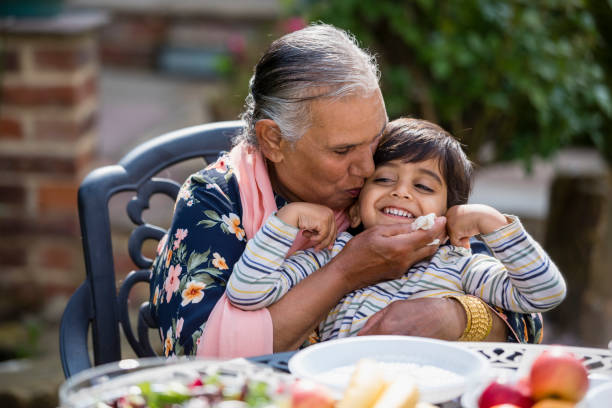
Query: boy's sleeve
(263, 275)
(257, 278)
(520, 277)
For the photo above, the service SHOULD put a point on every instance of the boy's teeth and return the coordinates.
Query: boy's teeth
(398, 212)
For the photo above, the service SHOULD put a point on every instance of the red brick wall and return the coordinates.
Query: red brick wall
(47, 136)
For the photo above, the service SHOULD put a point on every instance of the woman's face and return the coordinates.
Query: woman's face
(330, 163)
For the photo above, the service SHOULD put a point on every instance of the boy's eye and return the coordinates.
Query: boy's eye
(383, 180)
(424, 188)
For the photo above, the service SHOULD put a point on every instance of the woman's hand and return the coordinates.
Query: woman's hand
(439, 318)
(386, 252)
(465, 221)
(316, 221)
(377, 254)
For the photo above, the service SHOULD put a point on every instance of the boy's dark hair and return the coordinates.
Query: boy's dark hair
(415, 140)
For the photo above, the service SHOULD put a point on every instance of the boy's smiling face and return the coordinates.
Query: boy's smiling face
(398, 192)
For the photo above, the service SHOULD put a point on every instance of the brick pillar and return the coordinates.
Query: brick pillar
(48, 107)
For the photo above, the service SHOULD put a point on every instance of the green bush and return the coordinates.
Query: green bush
(518, 75)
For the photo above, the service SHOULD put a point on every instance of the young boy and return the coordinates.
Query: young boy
(420, 169)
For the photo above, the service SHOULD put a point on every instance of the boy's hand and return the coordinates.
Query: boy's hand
(465, 221)
(316, 221)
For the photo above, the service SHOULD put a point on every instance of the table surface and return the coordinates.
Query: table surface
(512, 359)
(517, 356)
(505, 358)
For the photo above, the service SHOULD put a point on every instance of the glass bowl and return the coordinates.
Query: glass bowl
(109, 382)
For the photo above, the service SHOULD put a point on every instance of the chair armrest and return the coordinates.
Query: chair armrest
(74, 329)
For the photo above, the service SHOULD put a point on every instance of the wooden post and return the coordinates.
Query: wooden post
(575, 231)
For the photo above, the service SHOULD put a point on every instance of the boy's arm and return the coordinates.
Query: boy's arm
(257, 279)
(521, 277)
(263, 274)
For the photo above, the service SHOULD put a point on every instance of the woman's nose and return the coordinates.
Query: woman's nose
(364, 165)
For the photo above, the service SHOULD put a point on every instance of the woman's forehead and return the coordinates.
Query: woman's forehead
(348, 121)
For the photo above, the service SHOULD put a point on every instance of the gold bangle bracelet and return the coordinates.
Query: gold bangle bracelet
(479, 320)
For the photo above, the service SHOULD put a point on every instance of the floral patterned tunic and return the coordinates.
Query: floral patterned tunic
(196, 257)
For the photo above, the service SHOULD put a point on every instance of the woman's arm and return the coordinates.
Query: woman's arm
(440, 318)
(377, 254)
(445, 318)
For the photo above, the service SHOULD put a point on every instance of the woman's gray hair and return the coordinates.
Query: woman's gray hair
(319, 61)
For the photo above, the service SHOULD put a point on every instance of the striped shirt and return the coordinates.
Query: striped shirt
(519, 277)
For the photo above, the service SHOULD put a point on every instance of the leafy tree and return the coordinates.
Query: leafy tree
(520, 76)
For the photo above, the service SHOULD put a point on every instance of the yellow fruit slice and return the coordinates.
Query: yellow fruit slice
(365, 386)
(401, 393)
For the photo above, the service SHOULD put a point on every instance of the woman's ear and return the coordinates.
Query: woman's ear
(353, 214)
(269, 139)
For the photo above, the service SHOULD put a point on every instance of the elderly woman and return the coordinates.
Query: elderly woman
(313, 119)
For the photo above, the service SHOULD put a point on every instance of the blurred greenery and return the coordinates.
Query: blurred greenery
(523, 77)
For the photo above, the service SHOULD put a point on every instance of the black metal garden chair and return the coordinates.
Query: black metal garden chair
(97, 305)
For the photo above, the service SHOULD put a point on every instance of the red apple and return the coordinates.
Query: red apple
(557, 373)
(554, 403)
(498, 393)
(307, 394)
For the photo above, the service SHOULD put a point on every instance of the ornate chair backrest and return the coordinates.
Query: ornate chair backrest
(97, 304)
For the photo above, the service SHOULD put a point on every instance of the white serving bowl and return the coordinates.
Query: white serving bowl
(316, 361)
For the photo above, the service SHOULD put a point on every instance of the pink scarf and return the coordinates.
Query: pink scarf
(231, 332)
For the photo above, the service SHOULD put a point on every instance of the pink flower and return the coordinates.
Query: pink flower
(179, 327)
(180, 235)
(172, 281)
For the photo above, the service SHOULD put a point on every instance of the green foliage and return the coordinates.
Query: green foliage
(521, 74)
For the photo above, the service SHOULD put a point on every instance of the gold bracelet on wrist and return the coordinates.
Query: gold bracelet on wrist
(479, 320)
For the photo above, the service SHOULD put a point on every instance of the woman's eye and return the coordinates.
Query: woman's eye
(424, 188)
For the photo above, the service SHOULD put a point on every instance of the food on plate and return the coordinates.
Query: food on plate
(401, 393)
(498, 393)
(308, 394)
(367, 383)
(557, 379)
(557, 373)
(368, 388)
(215, 386)
(225, 386)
